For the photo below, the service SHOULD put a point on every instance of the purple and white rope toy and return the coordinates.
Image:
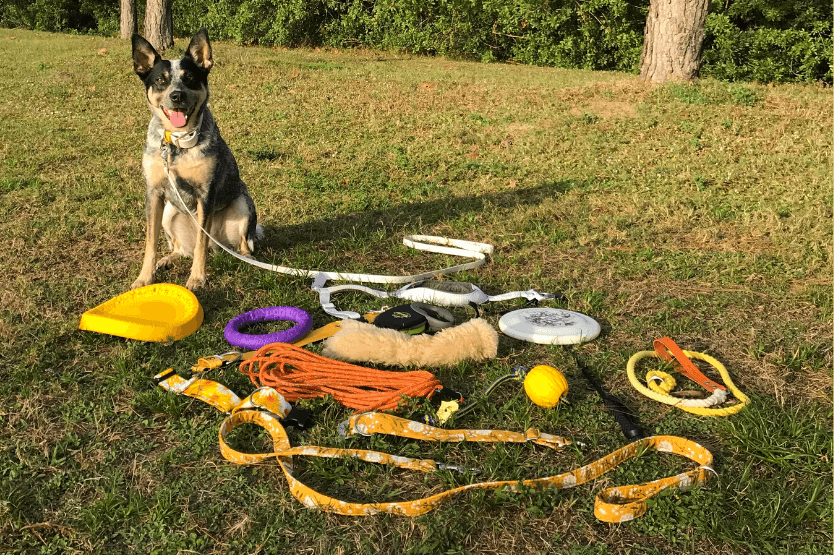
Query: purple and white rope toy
(304, 322)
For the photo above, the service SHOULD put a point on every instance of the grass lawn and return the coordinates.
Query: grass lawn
(702, 212)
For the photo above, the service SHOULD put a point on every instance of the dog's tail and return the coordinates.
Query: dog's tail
(259, 234)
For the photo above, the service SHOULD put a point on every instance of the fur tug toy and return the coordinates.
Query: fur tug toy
(360, 342)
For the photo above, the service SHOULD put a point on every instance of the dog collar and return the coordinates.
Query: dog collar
(181, 139)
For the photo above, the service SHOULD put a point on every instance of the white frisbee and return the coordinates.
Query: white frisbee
(549, 326)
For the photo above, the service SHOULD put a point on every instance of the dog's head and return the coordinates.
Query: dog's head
(176, 89)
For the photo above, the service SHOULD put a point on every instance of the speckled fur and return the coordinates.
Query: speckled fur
(206, 174)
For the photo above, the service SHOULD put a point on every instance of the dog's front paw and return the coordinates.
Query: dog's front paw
(166, 262)
(195, 283)
(141, 282)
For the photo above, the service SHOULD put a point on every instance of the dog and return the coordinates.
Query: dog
(191, 176)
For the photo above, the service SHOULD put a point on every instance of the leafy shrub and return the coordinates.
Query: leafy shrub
(265, 22)
(766, 55)
(101, 16)
(596, 34)
(745, 40)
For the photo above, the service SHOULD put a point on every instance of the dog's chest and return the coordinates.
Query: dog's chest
(189, 170)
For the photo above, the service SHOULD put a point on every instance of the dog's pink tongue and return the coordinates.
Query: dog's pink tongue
(177, 119)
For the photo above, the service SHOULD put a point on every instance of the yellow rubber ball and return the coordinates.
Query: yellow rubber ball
(545, 386)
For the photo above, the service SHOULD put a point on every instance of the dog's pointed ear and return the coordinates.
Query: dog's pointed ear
(200, 50)
(144, 55)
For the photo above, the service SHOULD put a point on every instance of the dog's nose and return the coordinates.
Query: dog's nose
(176, 97)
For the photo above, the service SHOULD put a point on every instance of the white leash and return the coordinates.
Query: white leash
(429, 243)
(436, 293)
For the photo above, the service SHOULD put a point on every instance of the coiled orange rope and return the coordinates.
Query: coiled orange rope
(299, 374)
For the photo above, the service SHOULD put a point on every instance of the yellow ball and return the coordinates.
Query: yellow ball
(545, 386)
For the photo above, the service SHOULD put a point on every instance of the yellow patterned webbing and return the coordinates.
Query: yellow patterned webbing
(617, 504)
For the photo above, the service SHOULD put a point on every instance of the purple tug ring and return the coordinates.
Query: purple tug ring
(304, 322)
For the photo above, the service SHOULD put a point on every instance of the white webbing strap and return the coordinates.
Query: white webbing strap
(429, 243)
(415, 292)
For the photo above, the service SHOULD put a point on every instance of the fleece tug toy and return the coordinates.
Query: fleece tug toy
(359, 342)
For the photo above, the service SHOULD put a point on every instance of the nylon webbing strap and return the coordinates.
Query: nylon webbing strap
(669, 351)
(617, 504)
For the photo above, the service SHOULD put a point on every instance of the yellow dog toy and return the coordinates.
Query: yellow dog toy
(660, 391)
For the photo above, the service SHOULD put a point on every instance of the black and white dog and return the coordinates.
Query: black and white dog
(191, 176)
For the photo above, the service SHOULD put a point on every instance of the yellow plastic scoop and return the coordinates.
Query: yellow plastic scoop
(158, 312)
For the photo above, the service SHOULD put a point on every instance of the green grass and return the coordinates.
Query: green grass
(702, 212)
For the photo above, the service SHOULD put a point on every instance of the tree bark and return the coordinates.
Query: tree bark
(673, 40)
(127, 18)
(159, 24)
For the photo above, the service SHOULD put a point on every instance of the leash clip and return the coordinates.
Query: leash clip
(709, 468)
(342, 427)
(205, 364)
(227, 362)
(458, 468)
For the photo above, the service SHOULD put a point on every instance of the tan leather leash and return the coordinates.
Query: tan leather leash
(669, 351)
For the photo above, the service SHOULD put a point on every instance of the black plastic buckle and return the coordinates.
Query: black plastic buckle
(298, 417)
(162, 377)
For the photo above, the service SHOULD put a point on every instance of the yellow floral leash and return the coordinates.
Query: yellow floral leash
(266, 407)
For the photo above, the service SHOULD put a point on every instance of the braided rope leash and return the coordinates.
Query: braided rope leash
(661, 383)
(300, 374)
(265, 407)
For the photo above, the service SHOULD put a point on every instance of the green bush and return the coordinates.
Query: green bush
(766, 54)
(265, 22)
(745, 40)
(101, 16)
(597, 34)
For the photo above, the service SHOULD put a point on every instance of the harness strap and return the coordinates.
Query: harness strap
(617, 504)
(415, 291)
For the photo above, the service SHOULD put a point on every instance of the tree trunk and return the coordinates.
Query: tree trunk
(159, 24)
(127, 18)
(673, 39)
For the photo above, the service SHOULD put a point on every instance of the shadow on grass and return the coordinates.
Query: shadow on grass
(394, 219)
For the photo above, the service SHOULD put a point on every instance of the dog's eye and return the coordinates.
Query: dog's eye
(160, 80)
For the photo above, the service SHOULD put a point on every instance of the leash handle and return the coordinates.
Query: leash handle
(666, 349)
(621, 413)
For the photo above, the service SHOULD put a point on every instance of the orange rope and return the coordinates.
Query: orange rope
(299, 374)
